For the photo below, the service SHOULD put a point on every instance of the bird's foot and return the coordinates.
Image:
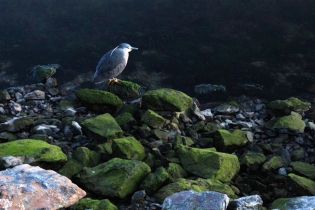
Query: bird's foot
(114, 80)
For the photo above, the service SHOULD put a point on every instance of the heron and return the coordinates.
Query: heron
(112, 64)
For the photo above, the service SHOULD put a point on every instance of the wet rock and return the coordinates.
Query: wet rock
(115, 178)
(27, 187)
(128, 148)
(225, 141)
(102, 128)
(165, 99)
(303, 202)
(88, 203)
(99, 100)
(37, 149)
(187, 200)
(208, 164)
(155, 181)
(253, 202)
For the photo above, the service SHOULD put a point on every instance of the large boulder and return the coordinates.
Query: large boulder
(99, 100)
(128, 148)
(166, 99)
(186, 200)
(37, 150)
(102, 128)
(27, 187)
(208, 164)
(115, 178)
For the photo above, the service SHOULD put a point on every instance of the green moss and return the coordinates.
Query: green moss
(88, 203)
(39, 150)
(98, 97)
(153, 119)
(128, 148)
(229, 141)
(290, 122)
(123, 118)
(274, 163)
(303, 185)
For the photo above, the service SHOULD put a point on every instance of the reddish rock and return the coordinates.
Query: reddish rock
(28, 187)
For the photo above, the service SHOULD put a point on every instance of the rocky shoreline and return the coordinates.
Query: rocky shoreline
(135, 154)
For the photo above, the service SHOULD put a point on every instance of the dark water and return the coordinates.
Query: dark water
(182, 43)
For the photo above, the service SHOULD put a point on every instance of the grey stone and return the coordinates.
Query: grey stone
(187, 200)
(253, 202)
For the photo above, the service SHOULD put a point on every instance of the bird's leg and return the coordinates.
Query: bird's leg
(110, 81)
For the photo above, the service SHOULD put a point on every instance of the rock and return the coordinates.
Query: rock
(86, 157)
(99, 100)
(252, 202)
(284, 107)
(175, 171)
(27, 187)
(286, 124)
(126, 89)
(165, 99)
(37, 149)
(115, 178)
(227, 108)
(88, 203)
(124, 119)
(302, 185)
(128, 148)
(303, 202)
(208, 164)
(274, 163)
(17, 124)
(43, 72)
(155, 181)
(304, 169)
(252, 160)
(35, 95)
(4, 96)
(187, 200)
(152, 119)
(225, 141)
(102, 128)
(70, 168)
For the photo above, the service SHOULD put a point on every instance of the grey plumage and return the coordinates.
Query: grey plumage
(112, 63)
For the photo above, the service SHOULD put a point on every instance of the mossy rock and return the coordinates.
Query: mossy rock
(284, 107)
(128, 148)
(153, 119)
(86, 157)
(302, 202)
(274, 163)
(154, 181)
(252, 160)
(89, 203)
(43, 72)
(99, 100)
(126, 89)
(166, 99)
(39, 150)
(225, 141)
(176, 171)
(124, 118)
(114, 178)
(227, 108)
(208, 164)
(286, 124)
(198, 185)
(302, 185)
(70, 168)
(102, 127)
(304, 169)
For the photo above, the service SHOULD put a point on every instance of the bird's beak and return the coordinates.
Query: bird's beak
(134, 48)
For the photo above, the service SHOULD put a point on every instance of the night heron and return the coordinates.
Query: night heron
(112, 63)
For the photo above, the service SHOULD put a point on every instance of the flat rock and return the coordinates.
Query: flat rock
(28, 187)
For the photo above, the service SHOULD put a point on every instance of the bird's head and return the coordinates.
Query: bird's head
(126, 46)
